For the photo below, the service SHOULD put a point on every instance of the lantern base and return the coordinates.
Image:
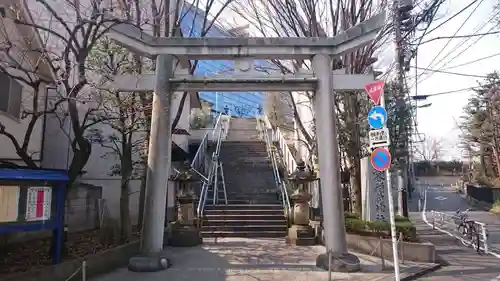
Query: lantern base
(344, 263)
(151, 263)
(185, 236)
(301, 235)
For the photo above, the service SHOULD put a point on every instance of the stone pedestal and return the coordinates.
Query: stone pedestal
(373, 193)
(185, 236)
(184, 231)
(148, 263)
(300, 233)
(339, 263)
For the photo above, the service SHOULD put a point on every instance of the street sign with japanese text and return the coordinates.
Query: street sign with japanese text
(379, 138)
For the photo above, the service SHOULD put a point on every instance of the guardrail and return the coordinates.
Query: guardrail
(450, 223)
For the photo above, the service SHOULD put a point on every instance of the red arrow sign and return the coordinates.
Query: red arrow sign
(375, 91)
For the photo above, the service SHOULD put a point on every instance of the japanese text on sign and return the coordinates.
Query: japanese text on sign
(38, 205)
(379, 138)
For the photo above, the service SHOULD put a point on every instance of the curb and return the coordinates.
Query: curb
(421, 272)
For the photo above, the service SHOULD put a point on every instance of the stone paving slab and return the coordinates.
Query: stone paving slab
(237, 259)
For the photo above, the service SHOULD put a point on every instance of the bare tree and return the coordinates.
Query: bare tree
(311, 18)
(59, 36)
(122, 124)
(203, 18)
(431, 149)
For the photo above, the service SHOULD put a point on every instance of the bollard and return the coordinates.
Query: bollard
(329, 265)
(401, 246)
(433, 220)
(381, 251)
(485, 238)
(84, 270)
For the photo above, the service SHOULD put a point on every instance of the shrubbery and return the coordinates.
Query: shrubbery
(355, 225)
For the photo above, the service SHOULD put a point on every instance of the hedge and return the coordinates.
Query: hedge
(355, 225)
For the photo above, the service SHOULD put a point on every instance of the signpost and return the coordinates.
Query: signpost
(381, 157)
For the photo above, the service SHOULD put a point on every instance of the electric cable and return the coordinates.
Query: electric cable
(471, 62)
(462, 36)
(449, 72)
(452, 17)
(460, 44)
(468, 47)
(449, 40)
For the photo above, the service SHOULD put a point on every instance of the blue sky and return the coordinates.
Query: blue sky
(437, 121)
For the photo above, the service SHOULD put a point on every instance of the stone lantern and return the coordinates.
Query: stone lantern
(300, 232)
(185, 233)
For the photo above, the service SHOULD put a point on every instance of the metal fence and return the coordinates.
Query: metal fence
(450, 223)
(483, 194)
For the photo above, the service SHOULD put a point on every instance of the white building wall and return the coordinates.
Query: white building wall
(17, 126)
(306, 115)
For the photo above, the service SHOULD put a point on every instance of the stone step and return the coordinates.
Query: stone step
(249, 207)
(244, 234)
(250, 213)
(245, 227)
(244, 217)
(242, 222)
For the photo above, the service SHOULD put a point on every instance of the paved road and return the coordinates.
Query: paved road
(464, 263)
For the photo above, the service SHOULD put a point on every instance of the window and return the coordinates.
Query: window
(10, 96)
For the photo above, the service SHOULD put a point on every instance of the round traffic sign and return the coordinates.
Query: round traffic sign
(381, 159)
(377, 117)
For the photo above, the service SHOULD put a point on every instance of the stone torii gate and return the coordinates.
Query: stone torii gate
(243, 50)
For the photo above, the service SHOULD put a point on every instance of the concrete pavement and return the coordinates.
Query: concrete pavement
(239, 259)
(464, 264)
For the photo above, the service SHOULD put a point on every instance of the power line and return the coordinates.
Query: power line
(449, 72)
(460, 44)
(461, 36)
(468, 47)
(458, 30)
(452, 17)
(471, 62)
(450, 92)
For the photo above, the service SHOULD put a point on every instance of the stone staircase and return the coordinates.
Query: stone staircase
(254, 208)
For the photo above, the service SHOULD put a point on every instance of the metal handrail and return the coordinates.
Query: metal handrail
(198, 163)
(211, 179)
(272, 156)
(449, 223)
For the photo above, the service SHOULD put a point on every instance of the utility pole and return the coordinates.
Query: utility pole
(401, 13)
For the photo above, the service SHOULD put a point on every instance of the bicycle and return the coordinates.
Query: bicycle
(468, 230)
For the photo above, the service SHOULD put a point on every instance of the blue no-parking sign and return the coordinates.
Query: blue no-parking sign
(381, 159)
(377, 117)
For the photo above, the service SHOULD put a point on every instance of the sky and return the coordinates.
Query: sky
(438, 120)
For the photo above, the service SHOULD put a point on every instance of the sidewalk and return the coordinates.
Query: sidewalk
(238, 259)
(463, 264)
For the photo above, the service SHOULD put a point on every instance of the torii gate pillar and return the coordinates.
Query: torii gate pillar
(329, 171)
